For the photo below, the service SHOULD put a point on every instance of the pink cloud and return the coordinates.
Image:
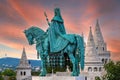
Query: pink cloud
(34, 15)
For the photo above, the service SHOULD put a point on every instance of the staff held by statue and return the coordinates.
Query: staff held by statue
(47, 18)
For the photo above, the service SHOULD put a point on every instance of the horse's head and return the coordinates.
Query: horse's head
(33, 33)
(29, 36)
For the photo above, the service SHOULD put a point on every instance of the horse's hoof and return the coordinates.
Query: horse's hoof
(42, 75)
(74, 74)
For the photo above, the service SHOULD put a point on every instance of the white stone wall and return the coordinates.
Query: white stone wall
(23, 76)
(58, 78)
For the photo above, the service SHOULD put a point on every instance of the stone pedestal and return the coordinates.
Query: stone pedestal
(54, 77)
(63, 73)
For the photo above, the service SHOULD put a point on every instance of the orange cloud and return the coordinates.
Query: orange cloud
(31, 14)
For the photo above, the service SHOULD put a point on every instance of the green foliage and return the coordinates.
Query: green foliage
(1, 77)
(97, 78)
(8, 72)
(49, 69)
(12, 78)
(35, 73)
(56, 69)
(113, 70)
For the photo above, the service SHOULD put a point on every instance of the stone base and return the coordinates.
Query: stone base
(63, 73)
(54, 77)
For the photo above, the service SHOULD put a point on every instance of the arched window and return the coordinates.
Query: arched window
(96, 48)
(103, 49)
(89, 69)
(106, 61)
(102, 60)
(100, 69)
(24, 73)
(21, 73)
(95, 69)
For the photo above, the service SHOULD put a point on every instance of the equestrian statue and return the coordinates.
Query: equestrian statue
(55, 41)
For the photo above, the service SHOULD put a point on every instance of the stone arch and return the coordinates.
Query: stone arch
(96, 48)
(95, 69)
(106, 60)
(89, 69)
(103, 60)
(103, 48)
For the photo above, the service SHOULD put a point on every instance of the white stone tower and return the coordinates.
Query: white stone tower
(93, 64)
(24, 69)
(100, 45)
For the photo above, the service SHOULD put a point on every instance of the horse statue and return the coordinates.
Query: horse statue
(73, 49)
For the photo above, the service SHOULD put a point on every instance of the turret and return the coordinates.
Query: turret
(90, 51)
(100, 44)
(24, 69)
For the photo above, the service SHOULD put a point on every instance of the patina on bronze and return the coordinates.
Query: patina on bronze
(56, 41)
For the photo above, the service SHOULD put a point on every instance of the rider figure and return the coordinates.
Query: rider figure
(56, 31)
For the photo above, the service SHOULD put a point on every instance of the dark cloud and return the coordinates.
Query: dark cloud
(106, 6)
(9, 15)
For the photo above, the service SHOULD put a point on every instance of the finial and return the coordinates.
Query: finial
(90, 28)
(5, 54)
(45, 14)
(23, 49)
(82, 34)
(97, 22)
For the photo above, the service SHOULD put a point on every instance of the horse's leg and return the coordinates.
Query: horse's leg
(77, 66)
(43, 70)
(72, 59)
(44, 55)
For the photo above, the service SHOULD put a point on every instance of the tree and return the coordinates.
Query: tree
(1, 77)
(97, 78)
(12, 78)
(35, 73)
(8, 72)
(113, 70)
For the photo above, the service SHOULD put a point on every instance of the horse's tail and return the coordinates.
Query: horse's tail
(80, 49)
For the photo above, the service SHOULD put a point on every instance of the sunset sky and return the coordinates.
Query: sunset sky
(78, 15)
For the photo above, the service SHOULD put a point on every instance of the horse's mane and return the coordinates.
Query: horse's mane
(36, 30)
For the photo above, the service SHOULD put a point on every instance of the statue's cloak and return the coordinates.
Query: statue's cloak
(56, 33)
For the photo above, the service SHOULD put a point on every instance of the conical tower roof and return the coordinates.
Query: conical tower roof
(23, 61)
(90, 50)
(98, 38)
(90, 41)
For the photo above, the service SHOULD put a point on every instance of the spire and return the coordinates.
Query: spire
(24, 62)
(90, 51)
(97, 34)
(82, 35)
(90, 40)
